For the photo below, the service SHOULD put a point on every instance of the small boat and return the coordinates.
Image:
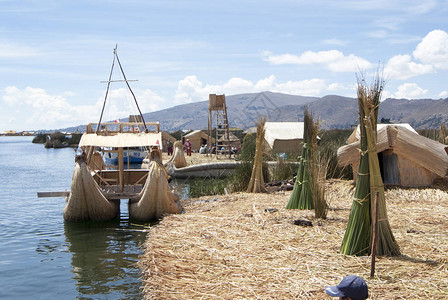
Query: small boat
(97, 188)
(133, 155)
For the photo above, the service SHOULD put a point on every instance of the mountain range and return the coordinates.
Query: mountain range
(333, 112)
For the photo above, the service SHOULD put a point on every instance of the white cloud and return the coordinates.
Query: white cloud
(9, 50)
(37, 109)
(433, 49)
(402, 67)
(336, 42)
(311, 87)
(443, 94)
(334, 60)
(409, 91)
(283, 59)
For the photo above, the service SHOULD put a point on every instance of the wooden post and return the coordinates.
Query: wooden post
(375, 233)
(120, 168)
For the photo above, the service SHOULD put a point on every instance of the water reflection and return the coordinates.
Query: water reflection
(104, 257)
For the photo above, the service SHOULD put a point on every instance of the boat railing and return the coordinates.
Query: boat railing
(122, 127)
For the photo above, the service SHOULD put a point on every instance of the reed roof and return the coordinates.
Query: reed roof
(140, 139)
(355, 136)
(283, 131)
(406, 143)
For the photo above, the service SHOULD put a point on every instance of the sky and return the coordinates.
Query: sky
(55, 54)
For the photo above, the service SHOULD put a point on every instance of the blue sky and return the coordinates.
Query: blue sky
(54, 54)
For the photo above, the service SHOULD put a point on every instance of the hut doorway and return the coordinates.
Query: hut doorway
(389, 167)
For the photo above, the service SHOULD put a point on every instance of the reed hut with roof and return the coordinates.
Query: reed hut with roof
(234, 141)
(197, 139)
(284, 137)
(406, 158)
(165, 137)
(355, 136)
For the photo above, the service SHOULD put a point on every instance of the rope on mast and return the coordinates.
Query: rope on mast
(129, 87)
(107, 89)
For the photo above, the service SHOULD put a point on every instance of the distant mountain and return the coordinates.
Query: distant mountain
(333, 111)
(243, 111)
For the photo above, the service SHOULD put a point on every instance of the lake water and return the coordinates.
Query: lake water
(43, 257)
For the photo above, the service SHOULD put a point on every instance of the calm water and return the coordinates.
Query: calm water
(43, 257)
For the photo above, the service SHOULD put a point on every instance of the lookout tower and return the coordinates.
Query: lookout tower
(217, 118)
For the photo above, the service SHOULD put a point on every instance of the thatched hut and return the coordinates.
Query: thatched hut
(284, 137)
(234, 140)
(355, 136)
(197, 139)
(406, 158)
(165, 137)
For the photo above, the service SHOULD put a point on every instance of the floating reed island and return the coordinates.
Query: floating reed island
(249, 246)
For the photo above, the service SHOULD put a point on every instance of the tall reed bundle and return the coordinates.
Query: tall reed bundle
(320, 165)
(302, 196)
(442, 134)
(358, 236)
(256, 183)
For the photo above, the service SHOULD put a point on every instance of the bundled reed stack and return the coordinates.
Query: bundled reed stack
(302, 196)
(85, 201)
(442, 134)
(256, 183)
(178, 159)
(320, 162)
(156, 198)
(358, 236)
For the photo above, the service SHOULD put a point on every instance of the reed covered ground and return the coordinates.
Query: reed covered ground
(197, 158)
(244, 246)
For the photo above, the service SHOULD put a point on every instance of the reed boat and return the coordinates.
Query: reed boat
(97, 188)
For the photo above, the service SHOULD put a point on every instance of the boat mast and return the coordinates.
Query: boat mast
(107, 91)
(129, 87)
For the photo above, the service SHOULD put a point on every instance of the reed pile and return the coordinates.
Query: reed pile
(256, 182)
(302, 194)
(246, 246)
(178, 158)
(358, 236)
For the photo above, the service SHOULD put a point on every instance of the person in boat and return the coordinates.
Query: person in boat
(169, 147)
(188, 147)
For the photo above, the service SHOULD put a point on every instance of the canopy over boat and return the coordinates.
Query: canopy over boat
(141, 139)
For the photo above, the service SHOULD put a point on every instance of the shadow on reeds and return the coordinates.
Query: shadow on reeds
(406, 258)
(440, 184)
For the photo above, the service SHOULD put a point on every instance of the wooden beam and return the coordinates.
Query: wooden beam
(120, 168)
(52, 194)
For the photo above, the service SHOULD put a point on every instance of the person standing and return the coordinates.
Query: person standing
(169, 147)
(188, 147)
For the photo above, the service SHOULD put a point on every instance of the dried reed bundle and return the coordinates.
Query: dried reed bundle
(386, 243)
(302, 195)
(256, 183)
(86, 202)
(442, 134)
(178, 158)
(319, 172)
(96, 162)
(358, 237)
(156, 199)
